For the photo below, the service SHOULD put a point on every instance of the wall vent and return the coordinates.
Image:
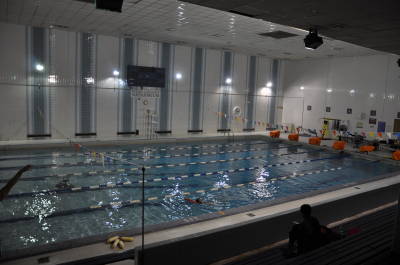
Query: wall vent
(278, 34)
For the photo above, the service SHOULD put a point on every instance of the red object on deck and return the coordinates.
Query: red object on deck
(293, 137)
(339, 145)
(314, 141)
(274, 134)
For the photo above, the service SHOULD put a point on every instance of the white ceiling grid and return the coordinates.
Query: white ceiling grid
(175, 22)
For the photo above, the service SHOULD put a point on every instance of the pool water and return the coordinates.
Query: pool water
(73, 194)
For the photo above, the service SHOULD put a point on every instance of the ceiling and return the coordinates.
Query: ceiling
(177, 22)
(370, 23)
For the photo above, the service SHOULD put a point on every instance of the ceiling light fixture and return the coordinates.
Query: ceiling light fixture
(178, 76)
(301, 88)
(329, 90)
(269, 84)
(116, 73)
(312, 41)
(228, 81)
(39, 67)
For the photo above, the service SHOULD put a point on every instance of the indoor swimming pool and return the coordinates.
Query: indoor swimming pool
(74, 194)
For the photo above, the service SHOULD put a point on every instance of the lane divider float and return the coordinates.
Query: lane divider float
(150, 200)
(165, 178)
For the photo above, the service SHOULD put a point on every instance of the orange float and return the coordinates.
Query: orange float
(293, 137)
(314, 141)
(274, 134)
(396, 155)
(367, 148)
(339, 145)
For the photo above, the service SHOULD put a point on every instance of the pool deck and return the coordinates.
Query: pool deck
(190, 228)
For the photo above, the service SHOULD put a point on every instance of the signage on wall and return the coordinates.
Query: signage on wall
(309, 107)
(381, 126)
(372, 113)
(349, 111)
(360, 124)
(372, 121)
(328, 109)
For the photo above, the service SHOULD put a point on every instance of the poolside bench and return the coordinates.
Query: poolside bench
(370, 245)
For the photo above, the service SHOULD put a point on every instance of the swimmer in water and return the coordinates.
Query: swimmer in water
(197, 201)
(64, 184)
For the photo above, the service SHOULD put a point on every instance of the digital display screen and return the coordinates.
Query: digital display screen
(143, 76)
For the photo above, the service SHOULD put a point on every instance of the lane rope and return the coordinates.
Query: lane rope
(121, 204)
(156, 166)
(73, 164)
(165, 178)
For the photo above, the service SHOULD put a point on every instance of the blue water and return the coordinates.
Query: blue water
(52, 204)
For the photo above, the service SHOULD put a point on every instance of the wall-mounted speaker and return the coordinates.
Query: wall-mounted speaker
(110, 5)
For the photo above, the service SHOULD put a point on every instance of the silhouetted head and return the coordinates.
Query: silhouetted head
(305, 210)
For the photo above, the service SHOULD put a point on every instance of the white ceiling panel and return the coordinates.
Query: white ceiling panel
(175, 22)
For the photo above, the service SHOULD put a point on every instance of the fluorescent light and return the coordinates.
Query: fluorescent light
(301, 88)
(329, 90)
(269, 84)
(116, 73)
(178, 76)
(39, 67)
(228, 81)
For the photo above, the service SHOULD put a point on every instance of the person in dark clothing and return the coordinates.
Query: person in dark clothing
(307, 234)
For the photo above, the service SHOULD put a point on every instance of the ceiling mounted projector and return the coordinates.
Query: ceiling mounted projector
(312, 41)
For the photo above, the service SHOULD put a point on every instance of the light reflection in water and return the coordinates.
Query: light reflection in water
(263, 188)
(223, 181)
(41, 207)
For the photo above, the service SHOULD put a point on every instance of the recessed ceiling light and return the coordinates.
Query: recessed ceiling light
(228, 81)
(329, 90)
(301, 88)
(352, 91)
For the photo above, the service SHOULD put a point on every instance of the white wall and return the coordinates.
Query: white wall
(375, 79)
(12, 75)
(13, 85)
